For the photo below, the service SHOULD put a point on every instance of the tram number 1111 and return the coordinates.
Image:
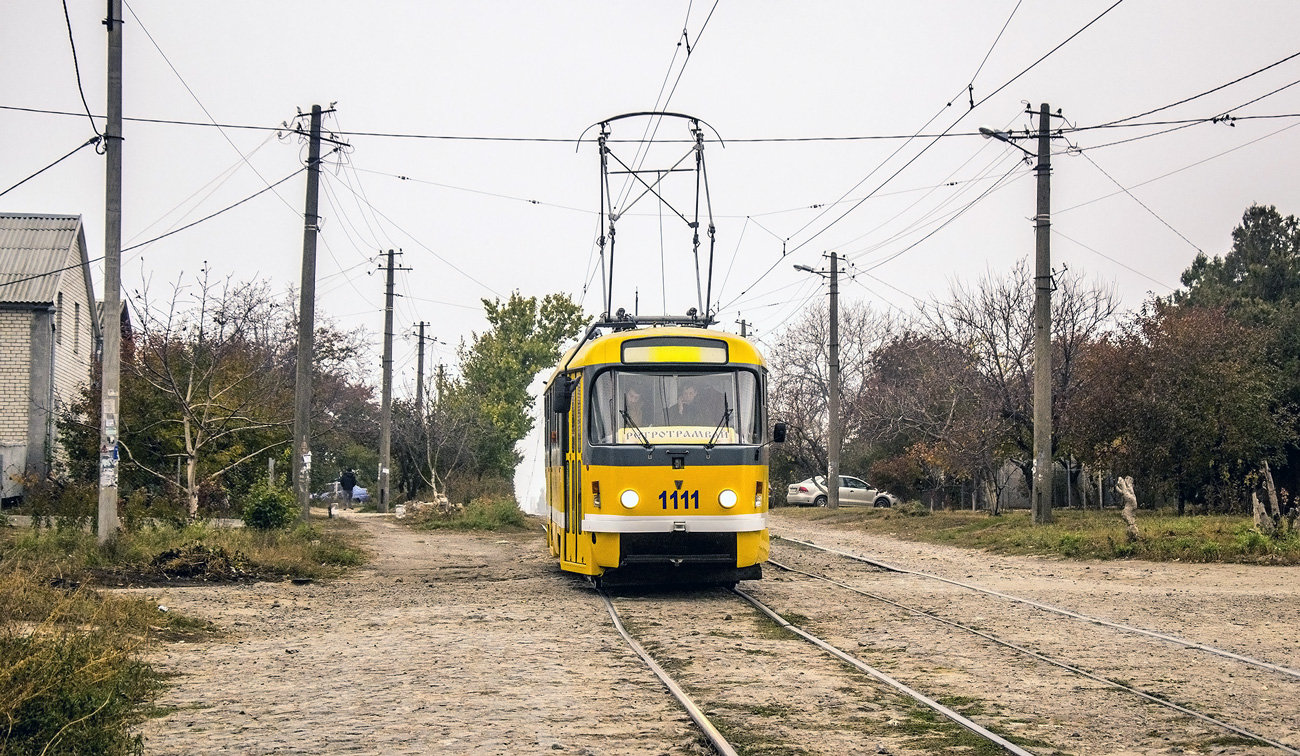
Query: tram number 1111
(684, 498)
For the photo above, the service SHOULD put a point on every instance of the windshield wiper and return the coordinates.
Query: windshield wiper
(726, 415)
(628, 419)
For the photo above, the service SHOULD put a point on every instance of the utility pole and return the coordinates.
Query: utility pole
(833, 443)
(386, 406)
(833, 391)
(307, 327)
(419, 375)
(1041, 497)
(744, 333)
(111, 327)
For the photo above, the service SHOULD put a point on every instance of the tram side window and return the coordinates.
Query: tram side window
(604, 410)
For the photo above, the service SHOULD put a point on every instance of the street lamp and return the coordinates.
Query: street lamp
(833, 398)
(1041, 495)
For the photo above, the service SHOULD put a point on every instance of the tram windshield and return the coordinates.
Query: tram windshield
(647, 408)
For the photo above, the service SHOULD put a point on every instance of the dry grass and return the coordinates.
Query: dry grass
(71, 677)
(152, 554)
(1076, 534)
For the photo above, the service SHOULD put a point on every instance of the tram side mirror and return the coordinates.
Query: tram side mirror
(778, 433)
(562, 397)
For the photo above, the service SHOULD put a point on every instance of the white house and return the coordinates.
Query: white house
(49, 336)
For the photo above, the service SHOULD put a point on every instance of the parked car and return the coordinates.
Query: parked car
(331, 494)
(853, 491)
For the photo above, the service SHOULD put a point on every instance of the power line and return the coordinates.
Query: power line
(473, 191)
(1223, 118)
(971, 85)
(934, 141)
(954, 216)
(1108, 257)
(219, 212)
(1179, 170)
(1143, 204)
(202, 107)
(1185, 100)
(1047, 55)
(93, 140)
(983, 100)
(571, 141)
(424, 246)
(77, 68)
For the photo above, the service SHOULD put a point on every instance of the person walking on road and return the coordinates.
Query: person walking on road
(347, 482)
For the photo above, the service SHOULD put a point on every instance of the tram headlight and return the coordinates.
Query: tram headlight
(727, 499)
(629, 499)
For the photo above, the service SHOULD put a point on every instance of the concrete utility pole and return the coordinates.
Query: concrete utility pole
(111, 327)
(307, 327)
(833, 391)
(1041, 497)
(386, 407)
(419, 375)
(833, 421)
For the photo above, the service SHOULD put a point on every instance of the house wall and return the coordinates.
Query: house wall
(41, 409)
(15, 377)
(74, 345)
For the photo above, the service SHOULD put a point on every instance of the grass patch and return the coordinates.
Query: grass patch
(486, 514)
(198, 552)
(928, 731)
(71, 677)
(1075, 534)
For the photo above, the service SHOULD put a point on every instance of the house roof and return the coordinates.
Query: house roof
(35, 253)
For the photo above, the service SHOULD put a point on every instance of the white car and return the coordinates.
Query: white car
(853, 492)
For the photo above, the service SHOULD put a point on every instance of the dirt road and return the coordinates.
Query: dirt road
(445, 643)
(477, 644)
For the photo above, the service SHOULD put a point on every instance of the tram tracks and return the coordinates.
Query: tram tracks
(1043, 701)
(1214, 698)
(821, 707)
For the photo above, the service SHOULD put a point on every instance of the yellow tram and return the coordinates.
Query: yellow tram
(656, 455)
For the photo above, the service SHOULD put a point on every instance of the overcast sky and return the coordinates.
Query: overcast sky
(482, 218)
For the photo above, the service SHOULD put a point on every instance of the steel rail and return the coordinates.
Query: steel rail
(1040, 657)
(1066, 612)
(886, 679)
(715, 738)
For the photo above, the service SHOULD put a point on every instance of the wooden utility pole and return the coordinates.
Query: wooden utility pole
(1041, 496)
(306, 327)
(111, 327)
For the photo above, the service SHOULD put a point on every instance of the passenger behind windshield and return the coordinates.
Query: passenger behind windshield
(647, 408)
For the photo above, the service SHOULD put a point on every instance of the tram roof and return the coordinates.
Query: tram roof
(608, 349)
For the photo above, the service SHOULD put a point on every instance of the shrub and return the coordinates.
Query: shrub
(1071, 544)
(71, 681)
(489, 514)
(270, 507)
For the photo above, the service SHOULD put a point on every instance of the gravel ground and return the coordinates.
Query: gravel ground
(476, 643)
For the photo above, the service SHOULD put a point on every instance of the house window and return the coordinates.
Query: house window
(58, 320)
(76, 324)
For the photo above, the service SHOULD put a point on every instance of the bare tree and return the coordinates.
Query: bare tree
(800, 365)
(218, 369)
(992, 323)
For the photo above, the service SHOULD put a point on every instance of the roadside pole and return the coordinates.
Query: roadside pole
(306, 327)
(111, 322)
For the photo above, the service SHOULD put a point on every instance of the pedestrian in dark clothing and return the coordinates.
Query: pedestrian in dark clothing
(347, 481)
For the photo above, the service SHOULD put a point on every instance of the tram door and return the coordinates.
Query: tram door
(573, 472)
